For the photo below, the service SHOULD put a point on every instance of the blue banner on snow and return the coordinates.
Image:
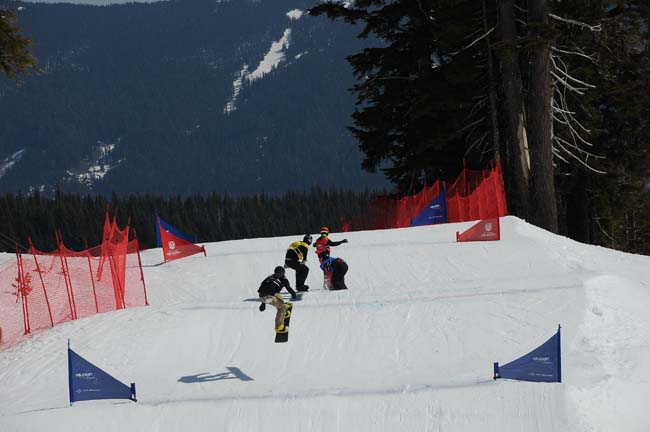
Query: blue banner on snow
(543, 364)
(434, 213)
(161, 224)
(88, 382)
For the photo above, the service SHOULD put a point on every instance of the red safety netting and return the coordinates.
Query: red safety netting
(43, 289)
(476, 194)
(391, 213)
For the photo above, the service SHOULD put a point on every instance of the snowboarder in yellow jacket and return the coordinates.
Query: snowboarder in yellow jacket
(296, 257)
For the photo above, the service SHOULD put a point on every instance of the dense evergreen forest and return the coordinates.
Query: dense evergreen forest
(557, 90)
(214, 217)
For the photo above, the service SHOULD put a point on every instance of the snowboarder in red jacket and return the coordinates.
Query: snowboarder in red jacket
(322, 247)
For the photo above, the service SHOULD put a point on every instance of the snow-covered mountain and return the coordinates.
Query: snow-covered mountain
(409, 347)
(196, 96)
(94, 2)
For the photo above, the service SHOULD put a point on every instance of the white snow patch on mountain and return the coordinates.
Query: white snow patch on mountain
(95, 167)
(295, 14)
(231, 105)
(272, 58)
(7, 163)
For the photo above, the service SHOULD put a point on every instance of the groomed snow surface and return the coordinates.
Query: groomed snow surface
(409, 347)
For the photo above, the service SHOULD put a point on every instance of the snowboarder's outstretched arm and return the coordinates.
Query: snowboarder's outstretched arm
(336, 243)
(287, 285)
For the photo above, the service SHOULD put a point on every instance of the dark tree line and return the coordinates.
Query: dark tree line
(214, 217)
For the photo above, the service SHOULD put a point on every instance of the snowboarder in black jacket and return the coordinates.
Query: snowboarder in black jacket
(322, 246)
(269, 292)
(295, 258)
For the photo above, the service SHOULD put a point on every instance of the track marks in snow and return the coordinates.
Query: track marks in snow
(321, 393)
(377, 302)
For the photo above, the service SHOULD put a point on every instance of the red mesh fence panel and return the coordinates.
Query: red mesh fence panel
(475, 195)
(40, 290)
(11, 312)
(497, 179)
(392, 213)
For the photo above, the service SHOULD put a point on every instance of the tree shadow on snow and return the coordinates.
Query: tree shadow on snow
(233, 373)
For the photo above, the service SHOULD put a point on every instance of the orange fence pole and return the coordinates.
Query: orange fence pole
(20, 279)
(40, 276)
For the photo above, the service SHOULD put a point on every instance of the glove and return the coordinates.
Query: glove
(262, 307)
(344, 241)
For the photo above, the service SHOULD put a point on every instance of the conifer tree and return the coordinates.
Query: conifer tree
(422, 91)
(15, 58)
(554, 124)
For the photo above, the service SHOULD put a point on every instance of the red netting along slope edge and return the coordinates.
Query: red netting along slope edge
(39, 290)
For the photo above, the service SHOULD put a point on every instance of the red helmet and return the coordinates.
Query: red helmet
(324, 230)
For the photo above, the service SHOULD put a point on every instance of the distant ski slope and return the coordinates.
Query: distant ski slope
(409, 347)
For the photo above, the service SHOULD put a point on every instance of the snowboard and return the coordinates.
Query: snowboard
(327, 281)
(284, 335)
(290, 299)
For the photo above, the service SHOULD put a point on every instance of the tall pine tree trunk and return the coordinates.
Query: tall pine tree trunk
(578, 215)
(492, 92)
(540, 126)
(517, 161)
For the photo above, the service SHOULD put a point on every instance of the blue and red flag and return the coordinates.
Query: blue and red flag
(174, 243)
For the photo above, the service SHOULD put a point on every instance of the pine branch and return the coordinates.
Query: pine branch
(580, 24)
(477, 40)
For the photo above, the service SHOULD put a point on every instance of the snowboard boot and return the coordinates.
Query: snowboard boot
(303, 288)
(281, 329)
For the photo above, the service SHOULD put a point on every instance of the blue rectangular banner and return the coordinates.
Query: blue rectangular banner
(434, 213)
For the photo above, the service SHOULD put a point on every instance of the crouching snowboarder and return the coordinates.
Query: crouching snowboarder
(269, 292)
(335, 269)
(295, 258)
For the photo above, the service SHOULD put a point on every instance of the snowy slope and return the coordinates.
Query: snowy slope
(409, 347)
